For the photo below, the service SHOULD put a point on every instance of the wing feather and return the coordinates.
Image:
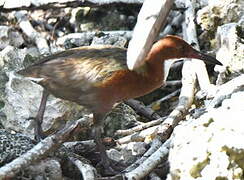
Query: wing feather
(80, 67)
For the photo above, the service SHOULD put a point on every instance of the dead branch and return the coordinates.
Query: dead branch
(139, 136)
(185, 101)
(87, 170)
(156, 144)
(150, 163)
(140, 108)
(43, 148)
(151, 19)
(173, 83)
(140, 127)
(165, 98)
(28, 29)
(224, 91)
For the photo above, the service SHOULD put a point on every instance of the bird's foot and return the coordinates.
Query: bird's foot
(38, 132)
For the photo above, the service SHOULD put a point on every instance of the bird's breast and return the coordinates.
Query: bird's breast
(126, 84)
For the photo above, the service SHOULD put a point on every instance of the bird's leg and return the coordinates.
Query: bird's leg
(107, 163)
(39, 117)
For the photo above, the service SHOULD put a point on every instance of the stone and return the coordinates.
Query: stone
(22, 101)
(13, 145)
(137, 148)
(4, 41)
(121, 117)
(211, 146)
(45, 169)
(230, 50)
(114, 154)
(16, 39)
(75, 40)
(109, 39)
(219, 12)
(8, 36)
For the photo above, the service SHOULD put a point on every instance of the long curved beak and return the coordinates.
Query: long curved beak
(205, 58)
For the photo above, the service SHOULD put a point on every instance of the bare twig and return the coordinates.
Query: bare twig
(224, 91)
(165, 98)
(88, 171)
(139, 127)
(151, 18)
(173, 83)
(46, 146)
(140, 108)
(90, 144)
(150, 163)
(185, 100)
(140, 136)
(156, 144)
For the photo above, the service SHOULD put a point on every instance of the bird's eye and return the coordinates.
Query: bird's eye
(193, 44)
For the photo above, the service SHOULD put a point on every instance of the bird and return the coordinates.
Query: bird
(97, 77)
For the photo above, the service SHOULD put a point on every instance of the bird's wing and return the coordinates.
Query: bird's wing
(82, 67)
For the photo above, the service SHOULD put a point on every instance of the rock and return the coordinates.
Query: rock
(114, 155)
(45, 169)
(131, 151)
(121, 117)
(109, 39)
(22, 101)
(99, 19)
(211, 146)
(219, 12)
(33, 51)
(16, 39)
(10, 37)
(75, 40)
(4, 41)
(13, 145)
(77, 15)
(230, 50)
(10, 58)
(137, 148)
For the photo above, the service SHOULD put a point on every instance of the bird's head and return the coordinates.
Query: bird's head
(173, 47)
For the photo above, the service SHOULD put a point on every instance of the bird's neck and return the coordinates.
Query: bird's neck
(159, 64)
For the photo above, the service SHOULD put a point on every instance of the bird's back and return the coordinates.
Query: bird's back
(79, 66)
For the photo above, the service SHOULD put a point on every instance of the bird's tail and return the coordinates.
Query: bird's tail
(29, 72)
